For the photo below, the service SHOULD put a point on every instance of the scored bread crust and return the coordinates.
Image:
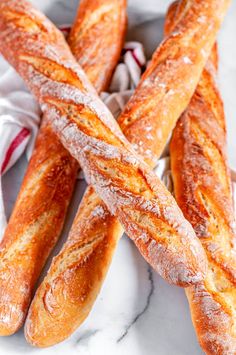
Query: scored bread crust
(66, 295)
(99, 19)
(148, 212)
(39, 213)
(203, 191)
(69, 284)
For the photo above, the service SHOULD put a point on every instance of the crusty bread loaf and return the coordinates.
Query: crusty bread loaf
(67, 293)
(40, 209)
(87, 129)
(96, 38)
(203, 191)
(76, 275)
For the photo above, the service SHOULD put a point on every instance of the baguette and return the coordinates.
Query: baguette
(40, 209)
(75, 278)
(97, 37)
(87, 129)
(203, 191)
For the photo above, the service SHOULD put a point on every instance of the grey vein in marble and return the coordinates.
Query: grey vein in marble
(84, 338)
(143, 311)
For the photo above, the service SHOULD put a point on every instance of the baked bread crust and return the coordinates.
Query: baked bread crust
(66, 295)
(97, 37)
(41, 206)
(203, 191)
(87, 129)
(69, 284)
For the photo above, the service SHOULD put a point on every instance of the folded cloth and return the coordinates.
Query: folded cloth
(20, 113)
(19, 120)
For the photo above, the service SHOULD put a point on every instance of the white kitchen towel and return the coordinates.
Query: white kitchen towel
(19, 120)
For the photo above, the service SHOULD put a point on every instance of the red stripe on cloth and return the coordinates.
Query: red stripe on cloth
(65, 29)
(13, 146)
(137, 60)
(134, 56)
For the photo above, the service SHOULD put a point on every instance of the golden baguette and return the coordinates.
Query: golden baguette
(203, 191)
(40, 209)
(69, 290)
(97, 37)
(77, 272)
(87, 129)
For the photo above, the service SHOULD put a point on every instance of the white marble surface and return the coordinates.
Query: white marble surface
(136, 313)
